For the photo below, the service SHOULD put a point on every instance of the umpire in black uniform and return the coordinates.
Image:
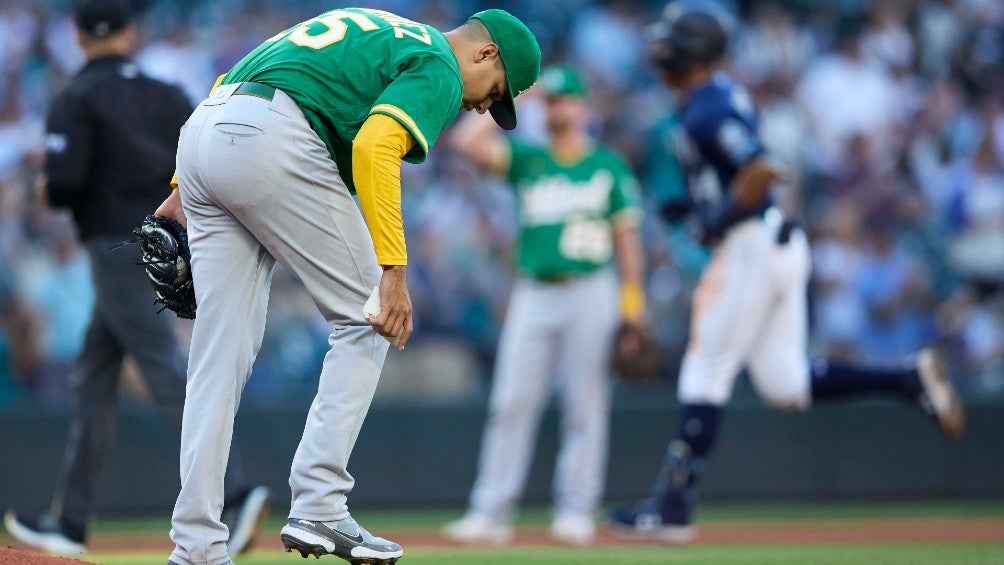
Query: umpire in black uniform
(110, 147)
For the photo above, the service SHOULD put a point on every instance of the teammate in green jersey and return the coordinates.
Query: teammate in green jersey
(266, 167)
(578, 211)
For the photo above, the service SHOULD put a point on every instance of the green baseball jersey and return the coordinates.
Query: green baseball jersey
(566, 210)
(347, 64)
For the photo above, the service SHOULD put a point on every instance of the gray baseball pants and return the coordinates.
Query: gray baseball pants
(258, 186)
(561, 330)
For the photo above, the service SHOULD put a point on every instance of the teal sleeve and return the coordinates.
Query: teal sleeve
(664, 178)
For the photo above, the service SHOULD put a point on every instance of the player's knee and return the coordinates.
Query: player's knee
(790, 402)
(786, 387)
(705, 383)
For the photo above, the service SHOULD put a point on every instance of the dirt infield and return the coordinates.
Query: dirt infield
(850, 532)
(13, 556)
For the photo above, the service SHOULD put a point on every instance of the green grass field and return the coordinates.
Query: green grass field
(779, 516)
(822, 555)
(710, 513)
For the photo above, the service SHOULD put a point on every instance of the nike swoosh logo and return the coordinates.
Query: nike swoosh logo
(358, 538)
(323, 529)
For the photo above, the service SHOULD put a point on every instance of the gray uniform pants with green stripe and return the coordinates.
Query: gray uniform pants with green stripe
(560, 330)
(258, 186)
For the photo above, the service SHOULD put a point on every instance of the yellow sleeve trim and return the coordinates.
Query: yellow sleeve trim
(377, 151)
(405, 119)
(219, 79)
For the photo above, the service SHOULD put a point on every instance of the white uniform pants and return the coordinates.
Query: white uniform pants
(749, 310)
(561, 330)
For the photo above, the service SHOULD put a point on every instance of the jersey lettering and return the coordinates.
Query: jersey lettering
(551, 199)
(335, 32)
(305, 34)
(567, 211)
(586, 240)
(736, 141)
(398, 23)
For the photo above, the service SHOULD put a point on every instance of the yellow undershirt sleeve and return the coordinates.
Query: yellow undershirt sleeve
(174, 177)
(377, 151)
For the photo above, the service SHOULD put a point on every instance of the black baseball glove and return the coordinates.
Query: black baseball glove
(168, 263)
(635, 355)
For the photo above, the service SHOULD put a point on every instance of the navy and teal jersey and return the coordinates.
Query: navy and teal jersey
(719, 134)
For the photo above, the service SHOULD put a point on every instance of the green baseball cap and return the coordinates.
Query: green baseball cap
(520, 56)
(562, 80)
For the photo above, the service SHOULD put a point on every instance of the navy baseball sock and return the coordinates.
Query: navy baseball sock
(699, 427)
(836, 380)
(675, 488)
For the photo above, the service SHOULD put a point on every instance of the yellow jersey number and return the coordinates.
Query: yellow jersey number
(336, 26)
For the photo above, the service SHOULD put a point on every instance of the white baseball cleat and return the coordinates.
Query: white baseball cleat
(479, 529)
(574, 529)
(939, 399)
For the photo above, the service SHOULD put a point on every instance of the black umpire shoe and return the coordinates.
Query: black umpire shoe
(242, 517)
(46, 533)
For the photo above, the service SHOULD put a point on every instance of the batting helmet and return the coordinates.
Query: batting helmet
(689, 34)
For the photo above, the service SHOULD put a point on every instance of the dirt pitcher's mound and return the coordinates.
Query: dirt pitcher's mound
(13, 556)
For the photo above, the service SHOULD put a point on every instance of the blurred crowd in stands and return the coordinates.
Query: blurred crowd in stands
(887, 115)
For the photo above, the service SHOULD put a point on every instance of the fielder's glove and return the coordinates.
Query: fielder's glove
(635, 355)
(168, 263)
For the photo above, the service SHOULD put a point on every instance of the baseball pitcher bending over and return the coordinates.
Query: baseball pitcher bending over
(267, 166)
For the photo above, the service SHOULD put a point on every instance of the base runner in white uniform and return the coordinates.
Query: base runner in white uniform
(578, 212)
(749, 309)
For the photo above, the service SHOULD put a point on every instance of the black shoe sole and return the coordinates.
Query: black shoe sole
(308, 549)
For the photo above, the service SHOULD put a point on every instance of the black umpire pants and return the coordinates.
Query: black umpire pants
(125, 321)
